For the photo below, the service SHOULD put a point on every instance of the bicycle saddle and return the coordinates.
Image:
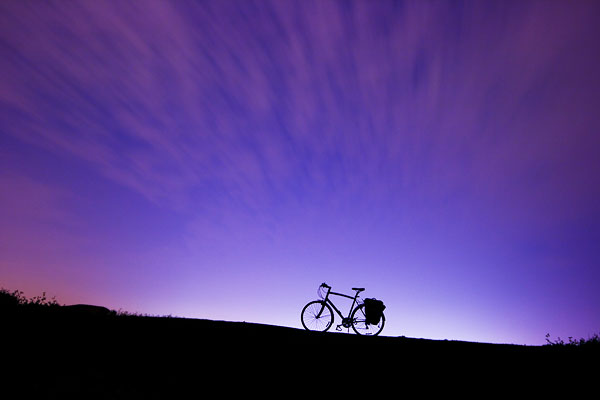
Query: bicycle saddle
(358, 289)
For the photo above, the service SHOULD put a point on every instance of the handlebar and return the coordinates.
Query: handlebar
(325, 285)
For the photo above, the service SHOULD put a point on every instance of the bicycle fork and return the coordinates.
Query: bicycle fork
(321, 310)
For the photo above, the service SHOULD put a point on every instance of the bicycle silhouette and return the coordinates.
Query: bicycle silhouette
(318, 315)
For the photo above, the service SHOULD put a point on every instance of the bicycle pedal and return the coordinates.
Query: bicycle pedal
(338, 328)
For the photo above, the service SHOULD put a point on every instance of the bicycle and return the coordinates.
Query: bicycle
(318, 315)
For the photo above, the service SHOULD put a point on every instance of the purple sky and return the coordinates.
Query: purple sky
(220, 159)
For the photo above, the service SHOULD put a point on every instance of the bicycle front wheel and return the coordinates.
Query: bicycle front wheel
(317, 316)
(360, 325)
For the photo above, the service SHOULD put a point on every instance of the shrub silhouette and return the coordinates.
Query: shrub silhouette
(16, 299)
(10, 300)
(16, 302)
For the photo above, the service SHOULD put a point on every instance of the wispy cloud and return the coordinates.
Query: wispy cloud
(262, 101)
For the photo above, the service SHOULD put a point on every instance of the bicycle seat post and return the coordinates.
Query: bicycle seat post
(358, 290)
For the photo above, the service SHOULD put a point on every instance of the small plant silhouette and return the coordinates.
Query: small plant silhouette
(594, 340)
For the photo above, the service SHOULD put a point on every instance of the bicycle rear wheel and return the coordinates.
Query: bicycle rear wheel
(360, 325)
(317, 316)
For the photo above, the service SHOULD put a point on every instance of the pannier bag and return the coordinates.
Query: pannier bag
(373, 310)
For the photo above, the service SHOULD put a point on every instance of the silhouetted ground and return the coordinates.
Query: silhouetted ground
(68, 353)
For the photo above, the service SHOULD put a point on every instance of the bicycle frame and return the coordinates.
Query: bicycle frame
(328, 301)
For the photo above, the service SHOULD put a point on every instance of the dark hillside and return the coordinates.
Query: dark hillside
(61, 351)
